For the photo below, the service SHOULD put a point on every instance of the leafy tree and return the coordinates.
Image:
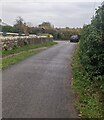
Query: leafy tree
(46, 28)
(21, 26)
(7, 29)
(46, 25)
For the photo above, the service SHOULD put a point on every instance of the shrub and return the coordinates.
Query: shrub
(91, 54)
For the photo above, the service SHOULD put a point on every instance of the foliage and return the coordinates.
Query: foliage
(46, 25)
(44, 28)
(88, 68)
(88, 98)
(98, 21)
(47, 35)
(92, 49)
(8, 29)
(21, 26)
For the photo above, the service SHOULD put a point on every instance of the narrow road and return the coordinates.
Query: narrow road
(40, 86)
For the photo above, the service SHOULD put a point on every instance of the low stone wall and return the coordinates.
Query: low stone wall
(8, 43)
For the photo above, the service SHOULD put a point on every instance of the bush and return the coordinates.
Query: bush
(88, 70)
(92, 49)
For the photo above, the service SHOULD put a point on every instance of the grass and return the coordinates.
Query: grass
(26, 48)
(88, 98)
(12, 60)
(27, 51)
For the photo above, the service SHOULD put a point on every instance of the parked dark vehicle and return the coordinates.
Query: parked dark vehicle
(74, 38)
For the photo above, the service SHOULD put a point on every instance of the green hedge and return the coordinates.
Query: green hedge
(89, 71)
(92, 49)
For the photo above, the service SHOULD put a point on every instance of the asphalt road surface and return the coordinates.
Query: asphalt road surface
(40, 86)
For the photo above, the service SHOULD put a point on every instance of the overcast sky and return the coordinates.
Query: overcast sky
(61, 13)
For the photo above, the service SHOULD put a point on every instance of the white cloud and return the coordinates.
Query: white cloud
(0, 9)
(49, 1)
(59, 13)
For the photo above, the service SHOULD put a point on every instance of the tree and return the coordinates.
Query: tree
(46, 25)
(7, 29)
(21, 26)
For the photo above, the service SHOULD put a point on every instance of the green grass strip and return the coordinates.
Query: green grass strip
(26, 47)
(27, 52)
(9, 61)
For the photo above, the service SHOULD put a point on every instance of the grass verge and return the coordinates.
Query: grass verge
(88, 101)
(26, 48)
(26, 51)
